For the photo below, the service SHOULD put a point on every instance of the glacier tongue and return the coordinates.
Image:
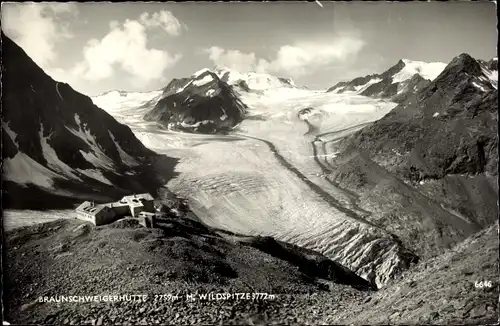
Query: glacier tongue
(260, 194)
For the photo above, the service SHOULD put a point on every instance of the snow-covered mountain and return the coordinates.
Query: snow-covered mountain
(407, 76)
(58, 146)
(431, 164)
(202, 103)
(293, 179)
(464, 94)
(250, 81)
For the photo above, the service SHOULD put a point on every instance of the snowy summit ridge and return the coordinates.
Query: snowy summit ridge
(248, 81)
(407, 76)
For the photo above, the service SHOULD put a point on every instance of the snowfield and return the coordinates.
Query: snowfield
(129, 107)
(264, 180)
(205, 80)
(17, 218)
(428, 70)
(23, 170)
(255, 81)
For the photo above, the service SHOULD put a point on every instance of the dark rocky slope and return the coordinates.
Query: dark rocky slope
(175, 84)
(440, 291)
(202, 103)
(408, 88)
(58, 147)
(428, 169)
(70, 257)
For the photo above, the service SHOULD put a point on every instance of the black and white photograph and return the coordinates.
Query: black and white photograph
(250, 163)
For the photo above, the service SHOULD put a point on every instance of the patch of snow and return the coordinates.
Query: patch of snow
(205, 80)
(401, 88)
(57, 89)
(492, 76)
(126, 158)
(224, 115)
(96, 175)
(332, 155)
(77, 119)
(98, 159)
(23, 170)
(96, 156)
(397, 152)
(200, 72)
(195, 125)
(52, 159)
(428, 70)
(184, 87)
(456, 214)
(11, 133)
(478, 86)
(435, 114)
(360, 88)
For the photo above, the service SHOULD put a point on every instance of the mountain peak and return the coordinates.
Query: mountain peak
(404, 76)
(254, 80)
(70, 146)
(463, 58)
(200, 72)
(464, 62)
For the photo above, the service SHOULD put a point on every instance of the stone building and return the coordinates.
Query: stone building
(139, 203)
(106, 213)
(96, 214)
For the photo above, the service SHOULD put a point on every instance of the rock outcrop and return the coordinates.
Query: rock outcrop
(202, 103)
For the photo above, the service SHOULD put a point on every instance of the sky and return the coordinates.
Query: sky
(98, 47)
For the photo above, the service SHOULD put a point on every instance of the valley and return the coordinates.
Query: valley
(263, 179)
(344, 189)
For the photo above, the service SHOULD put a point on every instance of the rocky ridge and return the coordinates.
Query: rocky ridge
(59, 148)
(202, 103)
(396, 83)
(427, 170)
